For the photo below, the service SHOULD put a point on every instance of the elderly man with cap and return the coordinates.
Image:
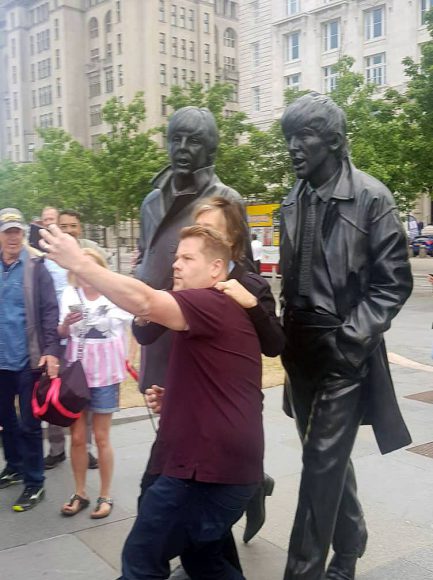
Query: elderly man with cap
(28, 342)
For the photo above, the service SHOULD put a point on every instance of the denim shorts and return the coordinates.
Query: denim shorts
(104, 399)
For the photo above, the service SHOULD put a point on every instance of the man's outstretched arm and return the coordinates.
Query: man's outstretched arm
(128, 293)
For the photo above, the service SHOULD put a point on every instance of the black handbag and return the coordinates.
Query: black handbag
(60, 401)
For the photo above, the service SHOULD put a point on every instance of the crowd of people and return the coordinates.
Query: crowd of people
(203, 317)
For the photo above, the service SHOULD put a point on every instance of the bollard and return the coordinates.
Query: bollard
(410, 250)
(422, 252)
(274, 273)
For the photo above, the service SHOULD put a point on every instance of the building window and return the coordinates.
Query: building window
(206, 22)
(255, 54)
(162, 74)
(207, 53)
(229, 38)
(291, 46)
(331, 35)
(292, 7)
(9, 135)
(58, 58)
(94, 84)
(32, 45)
(95, 142)
(163, 106)
(174, 46)
(45, 96)
(330, 78)
(56, 29)
(255, 10)
(234, 97)
(184, 78)
(120, 75)
(14, 75)
(93, 28)
(59, 117)
(182, 18)
(255, 99)
(15, 101)
(34, 100)
(109, 82)
(161, 10)
(109, 53)
(375, 69)
(94, 55)
(44, 68)
(162, 45)
(118, 11)
(183, 48)
(175, 76)
(119, 44)
(191, 20)
(95, 115)
(107, 22)
(173, 15)
(374, 23)
(43, 41)
(16, 128)
(8, 109)
(206, 81)
(32, 72)
(13, 47)
(192, 76)
(229, 63)
(192, 50)
(294, 81)
(58, 88)
(426, 5)
(46, 120)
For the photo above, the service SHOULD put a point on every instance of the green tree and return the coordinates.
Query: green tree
(418, 108)
(127, 161)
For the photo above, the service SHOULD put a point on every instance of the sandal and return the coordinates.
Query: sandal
(82, 504)
(96, 515)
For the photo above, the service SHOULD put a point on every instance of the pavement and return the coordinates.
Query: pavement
(395, 489)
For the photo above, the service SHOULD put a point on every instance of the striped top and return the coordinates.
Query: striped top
(105, 345)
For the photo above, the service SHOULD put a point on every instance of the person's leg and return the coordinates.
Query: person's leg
(79, 454)
(334, 419)
(101, 429)
(209, 563)
(56, 439)
(160, 531)
(11, 434)
(31, 429)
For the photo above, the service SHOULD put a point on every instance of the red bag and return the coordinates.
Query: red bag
(60, 401)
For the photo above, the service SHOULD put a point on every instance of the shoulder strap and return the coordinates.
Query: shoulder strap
(81, 339)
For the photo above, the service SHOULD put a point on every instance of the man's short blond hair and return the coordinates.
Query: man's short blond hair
(214, 245)
(93, 254)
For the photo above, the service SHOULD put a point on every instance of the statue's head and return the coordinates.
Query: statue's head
(315, 130)
(192, 140)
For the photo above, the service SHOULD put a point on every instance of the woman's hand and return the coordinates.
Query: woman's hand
(154, 396)
(70, 319)
(238, 293)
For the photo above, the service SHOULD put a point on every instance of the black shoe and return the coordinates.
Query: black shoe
(178, 574)
(30, 497)
(93, 462)
(52, 461)
(9, 477)
(343, 566)
(255, 511)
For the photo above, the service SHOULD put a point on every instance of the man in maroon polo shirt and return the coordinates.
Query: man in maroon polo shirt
(209, 448)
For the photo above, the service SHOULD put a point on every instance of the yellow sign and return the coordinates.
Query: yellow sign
(261, 215)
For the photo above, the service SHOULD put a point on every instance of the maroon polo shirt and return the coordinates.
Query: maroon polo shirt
(211, 423)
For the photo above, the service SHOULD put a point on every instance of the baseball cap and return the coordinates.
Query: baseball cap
(11, 218)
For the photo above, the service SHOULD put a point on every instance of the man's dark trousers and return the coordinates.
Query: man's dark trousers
(327, 397)
(184, 517)
(22, 439)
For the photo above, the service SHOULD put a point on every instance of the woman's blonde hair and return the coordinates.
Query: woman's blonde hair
(93, 254)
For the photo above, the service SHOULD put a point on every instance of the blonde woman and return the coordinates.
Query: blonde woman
(88, 317)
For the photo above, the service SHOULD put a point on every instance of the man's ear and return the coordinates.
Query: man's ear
(218, 266)
(335, 141)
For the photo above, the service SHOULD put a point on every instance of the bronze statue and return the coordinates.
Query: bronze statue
(192, 145)
(345, 275)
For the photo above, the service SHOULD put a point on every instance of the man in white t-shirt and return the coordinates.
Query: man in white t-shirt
(257, 249)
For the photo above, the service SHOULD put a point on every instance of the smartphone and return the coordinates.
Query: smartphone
(35, 235)
(76, 308)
